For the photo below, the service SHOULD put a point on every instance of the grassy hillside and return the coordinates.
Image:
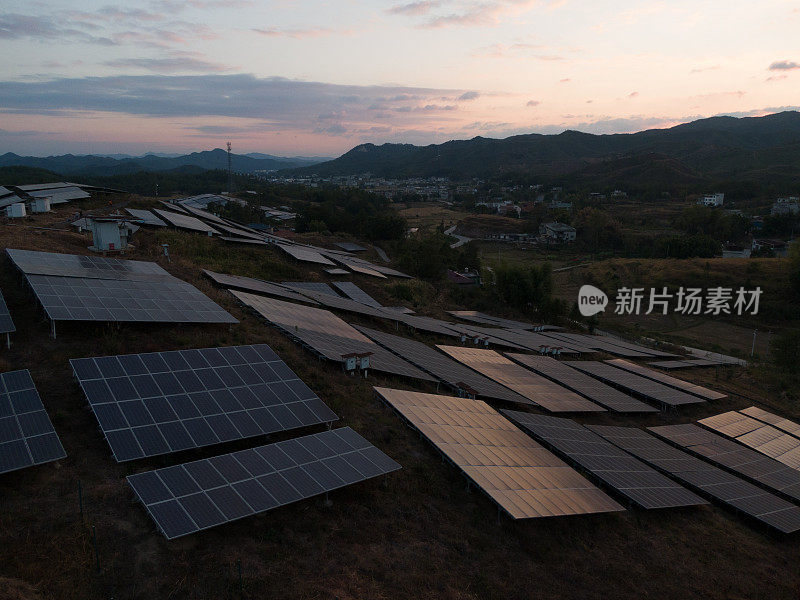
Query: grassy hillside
(418, 533)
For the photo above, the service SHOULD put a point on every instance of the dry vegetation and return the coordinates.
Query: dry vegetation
(418, 533)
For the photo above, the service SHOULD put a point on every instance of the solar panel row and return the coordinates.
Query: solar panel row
(352, 291)
(768, 440)
(182, 221)
(32, 262)
(579, 382)
(537, 389)
(706, 478)
(311, 286)
(636, 384)
(146, 217)
(461, 378)
(27, 436)
(692, 388)
(734, 457)
(479, 317)
(157, 403)
(258, 286)
(305, 254)
(198, 495)
(772, 419)
(524, 479)
(327, 334)
(6, 323)
(632, 478)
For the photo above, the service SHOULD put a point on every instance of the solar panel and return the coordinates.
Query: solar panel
(479, 317)
(242, 240)
(95, 288)
(258, 286)
(734, 457)
(457, 376)
(202, 214)
(60, 195)
(237, 232)
(636, 384)
(604, 395)
(350, 247)
(772, 419)
(639, 483)
(766, 439)
(428, 324)
(536, 340)
(344, 304)
(336, 271)
(327, 334)
(684, 364)
(537, 389)
(304, 254)
(182, 221)
(146, 217)
(523, 478)
(601, 343)
(692, 388)
(6, 323)
(352, 291)
(485, 334)
(202, 494)
(161, 402)
(705, 478)
(27, 436)
(358, 266)
(312, 286)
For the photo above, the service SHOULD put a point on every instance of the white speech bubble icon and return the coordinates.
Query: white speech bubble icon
(591, 300)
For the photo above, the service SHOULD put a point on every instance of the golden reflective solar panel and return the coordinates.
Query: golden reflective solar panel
(525, 479)
(768, 440)
(692, 388)
(772, 419)
(545, 393)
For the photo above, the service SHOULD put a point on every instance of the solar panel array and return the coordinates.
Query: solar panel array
(157, 403)
(187, 222)
(766, 439)
(352, 291)
(446, 369)
(304, 254)
(95, 288)
(327, 334)
(632, 478)
(256, 285)
(344, 304)
(27, 436)
(607, 344)
(772, 419)
(350, 247)
(706, 478)
(6, 323)
(199, 495)
(357, 265)
(692, 388)
(311, 286)
(537, 389)
(647, 388)
(481, 335)
(337, 271)
(60, 195)
(684, 364)
(579, 382)
(524, 479)
(734, 457)
(146, 217)
(479, 317)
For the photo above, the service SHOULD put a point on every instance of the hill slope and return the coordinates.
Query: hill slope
(713, 149)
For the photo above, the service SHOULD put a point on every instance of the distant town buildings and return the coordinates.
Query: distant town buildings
(786, 206)
(715, 199)
(557, 233)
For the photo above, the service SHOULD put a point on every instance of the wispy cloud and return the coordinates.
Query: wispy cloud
(697, 70)
(469, 96)
(784, 65)
(480, 14)
(180, 62)
(298, 33)
(533, 103)
(17, 26)
(633, 94)
(413, 9)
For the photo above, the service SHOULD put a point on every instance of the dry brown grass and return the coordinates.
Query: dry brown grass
(418, 533)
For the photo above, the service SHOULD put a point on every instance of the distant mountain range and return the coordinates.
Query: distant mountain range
(119, 164)
(704, 151)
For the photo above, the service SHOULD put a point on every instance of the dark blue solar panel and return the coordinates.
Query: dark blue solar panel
(27, 436)
(6, 324)
(201, 494)
(156, 403)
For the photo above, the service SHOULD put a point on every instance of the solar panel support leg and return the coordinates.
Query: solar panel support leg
(53, 329)
(8, 341)
(328, 503)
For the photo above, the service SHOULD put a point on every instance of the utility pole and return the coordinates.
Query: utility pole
(753, 347)
(230, 173)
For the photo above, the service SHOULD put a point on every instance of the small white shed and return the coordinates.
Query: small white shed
(16, 210)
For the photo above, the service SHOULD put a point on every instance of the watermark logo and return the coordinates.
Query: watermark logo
(591, 300)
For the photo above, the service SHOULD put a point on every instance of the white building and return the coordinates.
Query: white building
(715, 199)
(786, 206)
(16, 210)
(557, 232)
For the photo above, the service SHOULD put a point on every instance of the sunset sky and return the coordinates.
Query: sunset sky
(317, 78)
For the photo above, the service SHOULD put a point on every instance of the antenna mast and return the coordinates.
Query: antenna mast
(230, 173)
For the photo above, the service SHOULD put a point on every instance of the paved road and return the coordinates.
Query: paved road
(461, 239)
